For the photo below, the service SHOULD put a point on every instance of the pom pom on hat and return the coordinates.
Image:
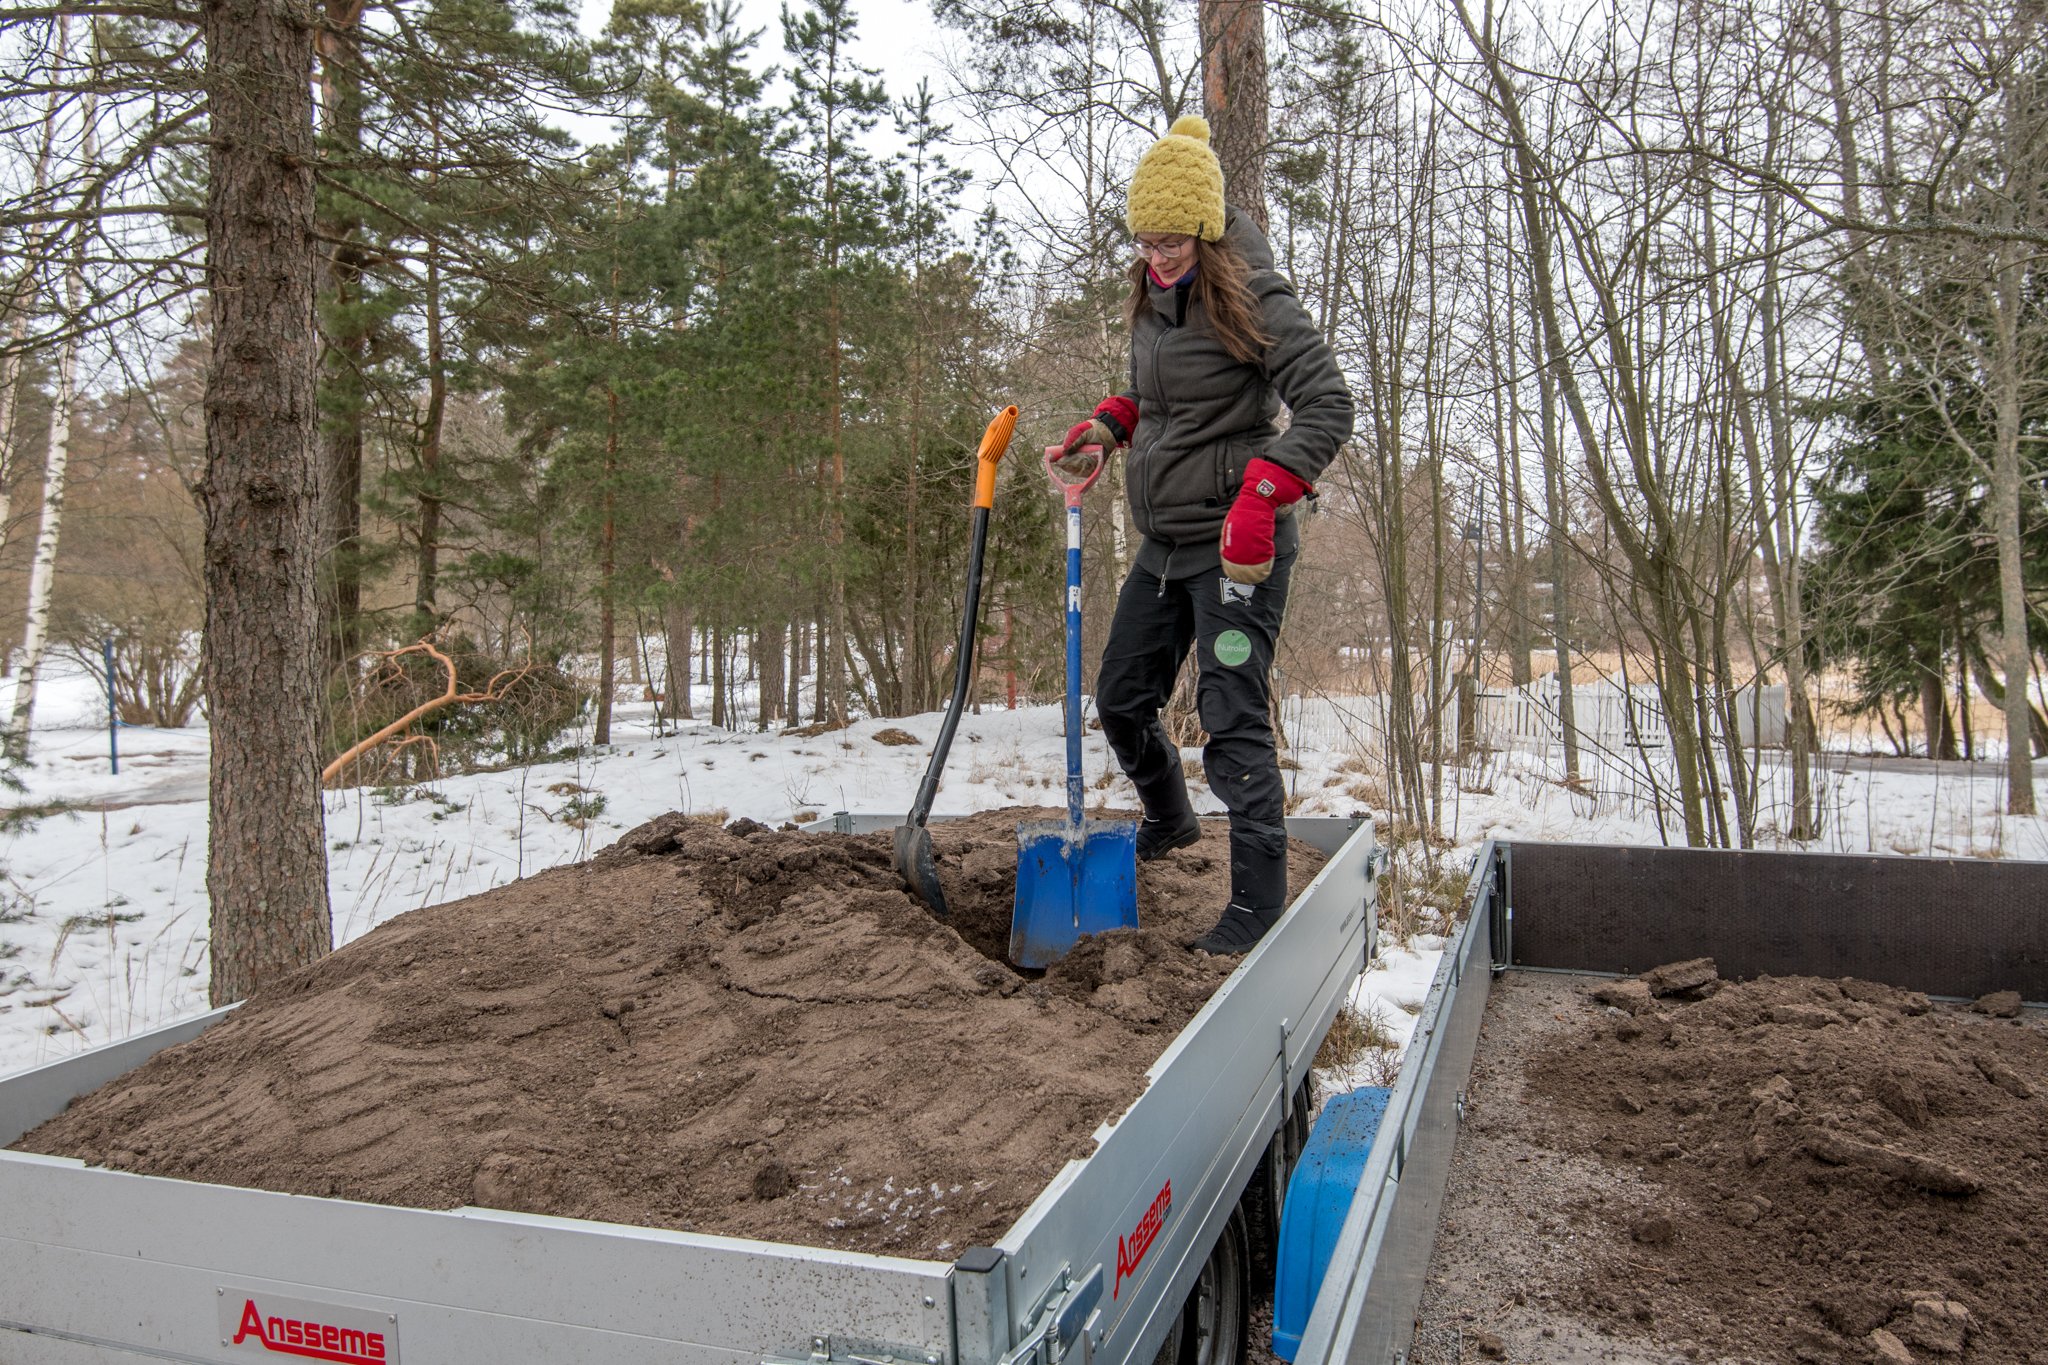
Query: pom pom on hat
(1178, 186)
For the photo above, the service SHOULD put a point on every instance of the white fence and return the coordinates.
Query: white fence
(1606, 716)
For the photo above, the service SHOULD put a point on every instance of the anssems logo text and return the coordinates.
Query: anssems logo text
(1131, 1250)
(260, 1321)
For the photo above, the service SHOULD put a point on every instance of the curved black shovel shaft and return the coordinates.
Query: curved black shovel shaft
(913, 849)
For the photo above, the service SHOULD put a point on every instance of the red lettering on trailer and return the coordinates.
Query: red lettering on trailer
(314, 1340)
(1131, 1250)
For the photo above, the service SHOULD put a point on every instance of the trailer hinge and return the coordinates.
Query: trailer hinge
(1286, 1089)
(1067, 1317)
(830, 1350)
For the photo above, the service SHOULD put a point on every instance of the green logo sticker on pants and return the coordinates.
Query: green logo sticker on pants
(1233, 648)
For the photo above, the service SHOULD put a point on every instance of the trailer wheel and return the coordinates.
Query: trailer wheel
(1211, 1327)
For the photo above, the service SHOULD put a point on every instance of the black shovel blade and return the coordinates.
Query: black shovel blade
(914, 863)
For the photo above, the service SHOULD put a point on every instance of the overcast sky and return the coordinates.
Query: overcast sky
(895, 37)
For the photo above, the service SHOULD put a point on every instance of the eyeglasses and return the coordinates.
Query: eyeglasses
(1163, 248)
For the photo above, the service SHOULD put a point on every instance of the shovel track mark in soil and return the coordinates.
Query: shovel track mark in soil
(729, 1030)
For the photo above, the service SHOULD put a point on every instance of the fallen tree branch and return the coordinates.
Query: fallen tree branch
(450, 696)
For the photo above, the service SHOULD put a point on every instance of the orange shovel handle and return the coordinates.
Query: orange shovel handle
(994, 442)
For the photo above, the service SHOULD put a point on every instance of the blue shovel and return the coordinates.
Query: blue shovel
(1074, 876)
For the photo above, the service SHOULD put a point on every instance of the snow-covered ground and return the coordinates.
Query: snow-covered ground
(103, 910)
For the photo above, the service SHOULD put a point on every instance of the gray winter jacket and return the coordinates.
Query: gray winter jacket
(1203, 415)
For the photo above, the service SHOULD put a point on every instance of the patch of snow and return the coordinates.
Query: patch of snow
(103, 912)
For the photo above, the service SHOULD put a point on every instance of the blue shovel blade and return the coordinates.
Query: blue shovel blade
(1071, 882)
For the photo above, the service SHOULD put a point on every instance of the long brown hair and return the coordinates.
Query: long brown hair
(1223, 286)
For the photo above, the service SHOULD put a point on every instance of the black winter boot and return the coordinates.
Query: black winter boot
(1237, 932)
(1157, 838)
(1258, 888)
(1170, 820)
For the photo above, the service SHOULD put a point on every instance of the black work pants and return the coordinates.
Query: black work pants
(1233, 628)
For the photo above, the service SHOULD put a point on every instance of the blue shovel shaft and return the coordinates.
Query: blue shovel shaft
(1074, 789)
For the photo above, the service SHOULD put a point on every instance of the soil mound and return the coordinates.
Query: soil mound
(1846, 1172)
(734, 1030)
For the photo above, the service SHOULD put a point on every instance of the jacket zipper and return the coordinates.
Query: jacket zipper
(1151, 451)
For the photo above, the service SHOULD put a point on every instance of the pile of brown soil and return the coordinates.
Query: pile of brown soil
(737, 1031)
(1835, 1171)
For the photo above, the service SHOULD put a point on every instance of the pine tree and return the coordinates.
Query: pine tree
(839, 207)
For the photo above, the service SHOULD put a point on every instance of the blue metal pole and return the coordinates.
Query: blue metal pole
(1074, 666)
(113, 713)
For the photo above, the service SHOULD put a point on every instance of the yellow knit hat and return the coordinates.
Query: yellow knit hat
(1178, 186)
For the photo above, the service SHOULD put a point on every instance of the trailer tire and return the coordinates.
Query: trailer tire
(1212, 1326)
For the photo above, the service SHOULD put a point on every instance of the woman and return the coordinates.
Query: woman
(1218, 343)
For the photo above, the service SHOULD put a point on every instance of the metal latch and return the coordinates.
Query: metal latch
(1067, 1316)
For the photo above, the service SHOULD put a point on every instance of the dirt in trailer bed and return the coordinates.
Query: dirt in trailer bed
(1787, 1170)
(724, 1030)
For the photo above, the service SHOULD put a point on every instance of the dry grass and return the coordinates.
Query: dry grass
(1360, 1045)
(895, 738)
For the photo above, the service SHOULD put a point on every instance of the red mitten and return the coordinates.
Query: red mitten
(1120, 415)
(1089, 433)
(1248, 530)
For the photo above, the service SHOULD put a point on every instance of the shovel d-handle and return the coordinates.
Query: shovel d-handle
(1073, 491)
(994, 442)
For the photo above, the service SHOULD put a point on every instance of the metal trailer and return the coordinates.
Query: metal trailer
(1603, 910)
(1138, 1246)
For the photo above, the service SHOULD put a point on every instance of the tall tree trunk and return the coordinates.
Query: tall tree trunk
(676, 629)
(266, 869)
(794, 711)
(1234, 98)
(1941, 735)
(43, 570)
(1507, 457)
(428, 565)
(18, 302)
(2010, 297)
(1801, 740)
(821, 644)
(1857, 283)
(1556, 532)
(834, 660)
(348, 326)
(1963, 685)
(720, 718)
(769, 651)
(607, 608)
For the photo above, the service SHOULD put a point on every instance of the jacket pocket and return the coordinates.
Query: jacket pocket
(1233, 457)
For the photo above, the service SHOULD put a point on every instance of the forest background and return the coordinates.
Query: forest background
(1697, 345)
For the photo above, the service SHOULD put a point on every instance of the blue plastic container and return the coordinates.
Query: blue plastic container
(1318, 1198)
